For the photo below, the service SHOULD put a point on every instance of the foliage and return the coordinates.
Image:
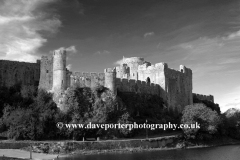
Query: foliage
(209, 120)
(31, 114)
(34, 122)
(106, 107)
(231, 123)
(125, 119)
(143, 105)
(78, 102)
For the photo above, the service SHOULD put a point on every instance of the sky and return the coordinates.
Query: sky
(203, 35)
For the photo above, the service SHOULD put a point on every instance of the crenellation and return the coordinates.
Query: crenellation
(204, 97)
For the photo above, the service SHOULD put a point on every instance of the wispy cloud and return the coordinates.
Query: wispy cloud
(70, 50)
(20, 23)
(233, 35)
(118, 62)
(79, 7)
(148, 34)
(211, 54)
(229, 61)
(104, 52)
(232, 99)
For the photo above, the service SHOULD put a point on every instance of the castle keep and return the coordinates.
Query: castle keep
(133, 75)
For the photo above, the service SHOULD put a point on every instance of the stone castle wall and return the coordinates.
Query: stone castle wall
(138, 76)
(86, 79)
(175, 87)
(178, 88)
(133, 75)
(204, 97)
(46, 76)
(12, 72)
(137, 86)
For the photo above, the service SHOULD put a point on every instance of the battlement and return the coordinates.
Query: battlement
(185, 70)
(19, 62)
(204, 97)
(110, 70)
(148, 66)
(87, 79)
(44, 57)
(133, 81)
(137, 86)
(87, 74)
(60, 52)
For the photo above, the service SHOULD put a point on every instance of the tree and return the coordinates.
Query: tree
(35, 122)
(78, 103)
(231, 123)
(106, 107)
(208, 119)
(125, 119)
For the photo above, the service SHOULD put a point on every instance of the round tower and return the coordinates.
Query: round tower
(59, 71)
(110, 79)
(133, 64)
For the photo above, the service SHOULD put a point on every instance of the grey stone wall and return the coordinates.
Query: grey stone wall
(46, 75)
(13, 72)
(204, 97)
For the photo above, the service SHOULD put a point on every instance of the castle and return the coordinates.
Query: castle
(133, 75)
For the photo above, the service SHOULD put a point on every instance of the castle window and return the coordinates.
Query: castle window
(182, 70)
(47, 71)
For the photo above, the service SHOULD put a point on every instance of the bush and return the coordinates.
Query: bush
(209, 120)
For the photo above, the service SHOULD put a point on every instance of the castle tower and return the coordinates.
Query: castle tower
(59, 71)
(133, 64)
(110, 79)
(188, 82)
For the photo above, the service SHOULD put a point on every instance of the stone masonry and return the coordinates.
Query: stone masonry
(12, 72)
(132, 75)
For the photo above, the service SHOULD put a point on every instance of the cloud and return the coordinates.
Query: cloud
(186, 46)
(119, 62)
(231, 99)
(208, 55)
(70, 50)
(234, 104)
(104, 52)
(233, 35)
(229, 61)
(20, 25)
(148, 34)
(79, 7)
